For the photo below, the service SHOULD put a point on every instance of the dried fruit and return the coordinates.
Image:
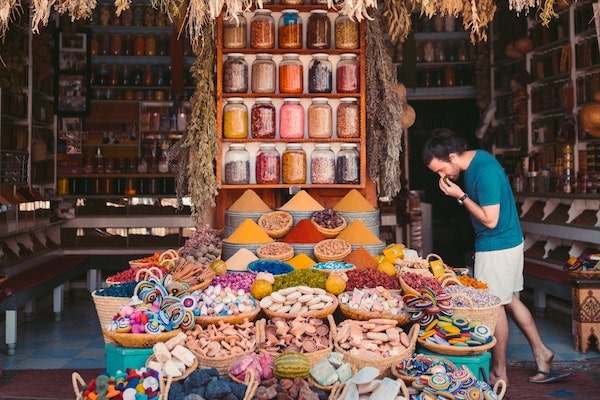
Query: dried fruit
(261, 288)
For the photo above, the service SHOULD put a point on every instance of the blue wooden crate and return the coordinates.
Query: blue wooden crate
(120, 358)
(478, 364)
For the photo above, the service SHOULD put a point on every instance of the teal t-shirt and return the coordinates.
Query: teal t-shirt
(487, 184)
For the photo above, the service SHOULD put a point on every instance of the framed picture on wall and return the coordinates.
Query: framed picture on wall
(72, 52)
(72, 77)
(72, 94)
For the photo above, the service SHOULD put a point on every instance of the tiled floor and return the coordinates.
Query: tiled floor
(76, 341)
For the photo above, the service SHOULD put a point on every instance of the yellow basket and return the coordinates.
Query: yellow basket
(107, 307)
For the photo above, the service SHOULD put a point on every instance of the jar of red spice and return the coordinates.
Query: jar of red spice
(293, 164)
(291, 119)
(291, 74)
(289, 30)
(262, 30)
(347, 74)
(268, 164)
(263, 119)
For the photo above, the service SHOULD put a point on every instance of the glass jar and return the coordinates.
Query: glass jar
(293, 164)
(449, 23)
(148, 75)
(347, 166)
(289, 30)
(94, 45)
(237, 165)
(139, 45)
(268, 164)
(346, 33)
(319, 119)
(291, 119)
(322, 164)
(264, 74)
(440, 51)
(291, 2)
(104, 45)
(320, 78)
(129, 45)
(449, 76)
(318, 30)
(263, 119)
(347, 74)
(114, 77)
(291, 74)
(235, 74)
(116, 44)
(234, 32)
(162, 45)
(347, 118)
(150, 45)
(428, 51)
(262, 30)
(235, 119)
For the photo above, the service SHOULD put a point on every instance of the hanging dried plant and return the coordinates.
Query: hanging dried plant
(40, 13)
(477, 15)
(76, 9)
(8, 10)
(547, 12)
(358, 9)
(121, 5)
(396, 14)
(169, 7)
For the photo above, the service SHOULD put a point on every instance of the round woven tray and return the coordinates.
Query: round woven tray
(187, 372)
(327, 232)
(340, 392)
(285, 217)
(230, 319)
(456, 350)
(485, 315)
(140, 340)
(362, 315)
(411, 378)
(323, 313)
(107, 307)
(322, 256)
(285, 251)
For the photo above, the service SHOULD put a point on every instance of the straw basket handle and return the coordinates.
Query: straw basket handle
(403, 389)
(502, 385)
(431, 255)
(332, 328)
(165, 386)
(450, 279)
(464, 297)
(413, 334)
(261, 334)
(251, 385)
(149, 272)
(79, 385)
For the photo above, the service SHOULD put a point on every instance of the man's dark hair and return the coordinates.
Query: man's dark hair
(441, 144)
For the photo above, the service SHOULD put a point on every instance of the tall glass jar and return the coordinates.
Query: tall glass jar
(264, 74)
(116, 44)
(268, 164)
(291, 119)
(347, 74)
(235, 74)
(235, 119)
(262, 30)
(318, 30)
(291, 74)
(347, 166)
(237, 165)
(289, 31)
(320, 74)
(322, 164)
(263, 119)
(293, 164)
(346, 33)
(234, 32)
(319, 119)
(347, 118)
(150, 45)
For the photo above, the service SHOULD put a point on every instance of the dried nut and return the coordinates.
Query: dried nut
(287, 291)
(278, 297)
(305, 297)
(306, 289)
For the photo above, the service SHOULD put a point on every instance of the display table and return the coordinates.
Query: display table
(586, 312)
(478, 364)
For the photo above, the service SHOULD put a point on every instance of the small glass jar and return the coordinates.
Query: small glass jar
(346, 33)
(262, 30)
(289, 30)
(162, 45)
(291, 119)
(293, 164)
(318, 30)
(139, 45)
(291, 74)
(347, 165)
(128, 45)
(235, 119)
(104, 44)
(347, 74)
(237, 165)
(116, 44)
(234, 32)
(235, 74)
(94, 45)
(264, 74)
(150, 45)
(148, 75)
(320, 73)
(268, 164)
(319, 119)
(347, 118)
(322, 164)
(263, 120)
(440, 51)
(428, 51)
(449, 23)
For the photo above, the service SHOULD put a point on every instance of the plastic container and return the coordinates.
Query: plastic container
(234, 32)
(318, 30)
(293, 164)
(263, 119)
(289, 30)
(319, 118)
(235, 74)
(320, 74)
(347, 166)
(262, 30)
(268, 164)
(291, 119)
(346, 33)
(322, 164)
(347, 118)
(264, 74)
(347, 74)
(235, 119)
(291, 74)
(237, 165)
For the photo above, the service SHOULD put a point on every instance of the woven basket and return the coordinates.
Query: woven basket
(485, 315)
(331, 388)
(286, 251)
(329, 233)
(411, 378)
(230, 319)
(187, 372)
(106, 308)
(323, 256)
(339, 392)
(362, 315)
(285, 217)
(139, 340)
(79, 387)
(251, 383)
(323, 313)
(456, 350)
(383, 365)
(579, 274)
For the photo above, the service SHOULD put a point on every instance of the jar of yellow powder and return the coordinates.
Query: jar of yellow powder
(235, 119)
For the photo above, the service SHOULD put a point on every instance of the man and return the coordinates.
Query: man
(488, 198)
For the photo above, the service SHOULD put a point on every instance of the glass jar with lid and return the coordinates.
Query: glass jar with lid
(235, 119)
(347, 74)
(262, 30)
(263, 119)
(318, 30)
(235, 74)
(264, 74)
(289, 30)
(347, 119)
(346, 33)
(268, 164)
(234, 32)
(347, 166)
(320, 74)
(291, 74)
(291, 119)
(322, 164)
(293, 164)
(319, 119)
(237, 165)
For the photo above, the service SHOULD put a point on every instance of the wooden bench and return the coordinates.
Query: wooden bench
(546, 280)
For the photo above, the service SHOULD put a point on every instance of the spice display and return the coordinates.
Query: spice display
(374, 300)
(291, 119)
(268, 164)
(322, 164)
(235, 74)
(479, 297)
(418, 281)
(262, 119)
(293, 164)
(289, 31)
(346, 33)
(264, 74)
(370, 278)
(320, 120)
(291, 74)
(320, 74)
(234, 32)
(347, 74)
(361, 259)
(248, 232)
(249, 201)
(276, 251)
(353, 201)
(301, 261)
(327, 218)
(318, 30)
(237, 165)
(276, 223)
(303, 232)
(240, 259)
(302, 201)
(235, 119)
(357, 233)
(347, 167)
(301, 277)
(262, 30)
(332, 249)
(308, 334)
(273, 267)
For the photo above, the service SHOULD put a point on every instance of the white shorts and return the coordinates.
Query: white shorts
(502, 270)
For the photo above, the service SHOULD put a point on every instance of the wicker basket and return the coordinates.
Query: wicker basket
(456, 350)
(79, 387)
(339, 392)
(362, 315)
(328, 232)
(285, 251)
(485, 315)
(580, 274)
(285, 219)
(383, 365)
(230, 319)
(187, 372)
(140, 340)
(106, 308)
(323, 313)
(326, 256)
(411, 378)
